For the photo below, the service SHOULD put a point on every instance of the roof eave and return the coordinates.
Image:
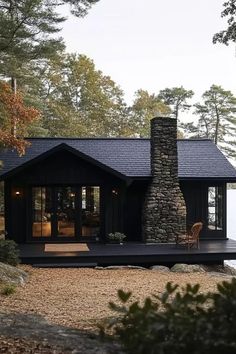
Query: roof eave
(189, 178)
(65, 147)
(209, 178)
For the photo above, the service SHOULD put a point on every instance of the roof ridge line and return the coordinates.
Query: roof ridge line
(114, 138)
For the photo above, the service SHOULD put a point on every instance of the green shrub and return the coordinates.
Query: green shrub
(8, 289)
(9, 252)
(178, 322)
(116, 237)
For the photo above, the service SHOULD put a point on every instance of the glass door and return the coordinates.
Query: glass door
(42, 212)
(65, 213)
(90, 212)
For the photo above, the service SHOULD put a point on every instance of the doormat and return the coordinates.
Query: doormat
(66, 247)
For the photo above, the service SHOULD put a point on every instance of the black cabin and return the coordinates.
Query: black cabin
(80, 190)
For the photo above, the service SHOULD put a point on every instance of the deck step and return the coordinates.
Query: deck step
(65, 265)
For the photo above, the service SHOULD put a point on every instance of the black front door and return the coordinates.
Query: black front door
(65, 213)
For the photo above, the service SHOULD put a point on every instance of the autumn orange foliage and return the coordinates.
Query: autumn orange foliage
(14, 115)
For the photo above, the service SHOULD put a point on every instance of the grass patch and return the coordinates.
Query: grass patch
(8, 289)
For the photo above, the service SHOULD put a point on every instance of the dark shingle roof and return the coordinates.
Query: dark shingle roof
(131, 157)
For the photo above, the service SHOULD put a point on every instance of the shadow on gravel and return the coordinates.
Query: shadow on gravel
(35, 327)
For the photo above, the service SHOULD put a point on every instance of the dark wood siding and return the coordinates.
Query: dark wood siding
(196, 198)
(16, 211)
(121, 203)
(62, 168)
(133, 210)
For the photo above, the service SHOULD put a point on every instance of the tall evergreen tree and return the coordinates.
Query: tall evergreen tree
(177, 99)
(28, 31)
(229, 34)
(28, 28)
(217, 119)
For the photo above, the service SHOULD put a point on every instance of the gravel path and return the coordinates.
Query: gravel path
(57, 310)
(79, 297)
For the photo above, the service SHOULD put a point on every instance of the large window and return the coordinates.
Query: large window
(90, 205)
(65, 212)
(215, 208)
(42, 211)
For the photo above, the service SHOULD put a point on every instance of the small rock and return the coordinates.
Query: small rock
(122, 267)
(135, 267)
(13, 275)
(160, 268)
(187, 268)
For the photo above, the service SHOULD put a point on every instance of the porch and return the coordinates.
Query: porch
(93, 254)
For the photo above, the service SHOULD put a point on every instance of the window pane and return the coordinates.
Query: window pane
(66, 211)
(42, 209)
(90, 199)
(215, 208)
(219, 208)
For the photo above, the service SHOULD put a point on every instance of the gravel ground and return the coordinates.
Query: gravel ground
(79, 297)
(47, 314)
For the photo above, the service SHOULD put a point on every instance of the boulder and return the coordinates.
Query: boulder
(12, 275)
(225, 269)
(187, 268)
(160, 268)
(114, 267)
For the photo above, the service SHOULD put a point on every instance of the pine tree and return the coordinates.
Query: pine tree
(176, 98)
(216, 119)
(229, 34)
(28, 31)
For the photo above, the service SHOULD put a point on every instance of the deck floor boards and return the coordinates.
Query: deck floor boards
(133, 253)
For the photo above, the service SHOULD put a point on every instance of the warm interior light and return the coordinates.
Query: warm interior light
(114, 191)
(17, 193)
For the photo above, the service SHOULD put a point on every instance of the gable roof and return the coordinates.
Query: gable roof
(197, 159)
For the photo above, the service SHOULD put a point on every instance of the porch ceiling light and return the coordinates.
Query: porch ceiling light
(17, 193)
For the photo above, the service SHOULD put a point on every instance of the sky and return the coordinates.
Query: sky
(154, 44)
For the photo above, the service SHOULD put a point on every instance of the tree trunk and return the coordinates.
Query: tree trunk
(13, 122)
(217, 125)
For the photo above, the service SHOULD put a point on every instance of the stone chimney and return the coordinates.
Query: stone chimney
(164, 213)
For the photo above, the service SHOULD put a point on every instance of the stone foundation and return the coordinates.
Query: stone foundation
(164, 213)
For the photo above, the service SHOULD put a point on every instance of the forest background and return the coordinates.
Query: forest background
(47, 92)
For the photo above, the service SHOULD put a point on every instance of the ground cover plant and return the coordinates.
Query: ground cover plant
(9, 252)
(8, 289)
(181, 320)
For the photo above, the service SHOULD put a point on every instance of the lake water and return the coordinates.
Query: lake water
(231, 219)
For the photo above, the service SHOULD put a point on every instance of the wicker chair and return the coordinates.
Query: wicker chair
(192, 238)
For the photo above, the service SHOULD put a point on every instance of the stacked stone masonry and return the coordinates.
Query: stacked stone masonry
(164, 214)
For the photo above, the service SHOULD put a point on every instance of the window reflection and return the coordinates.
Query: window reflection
(90, 197)
(215, 208)
(66, 211)
(42, 211)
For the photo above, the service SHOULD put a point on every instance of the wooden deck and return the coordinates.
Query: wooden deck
(213, 251)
